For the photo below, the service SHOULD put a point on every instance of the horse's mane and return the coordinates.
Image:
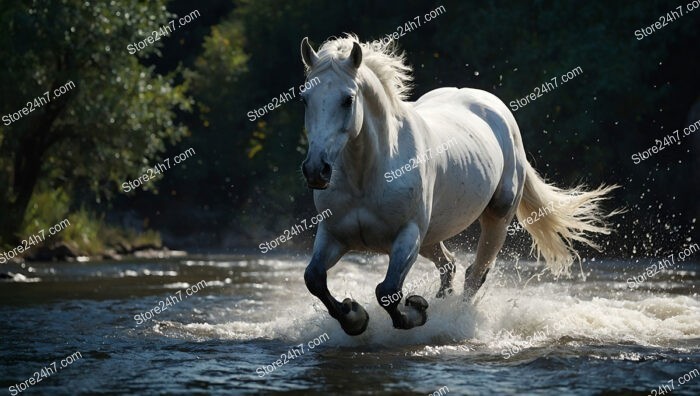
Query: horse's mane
(380, 56)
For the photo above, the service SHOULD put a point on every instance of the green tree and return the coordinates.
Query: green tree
(112, 124)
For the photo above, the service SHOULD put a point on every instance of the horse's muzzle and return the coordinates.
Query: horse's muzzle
(317, 177)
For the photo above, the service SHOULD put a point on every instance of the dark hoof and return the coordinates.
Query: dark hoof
(417, 302)
(416, 315)
(355, 319)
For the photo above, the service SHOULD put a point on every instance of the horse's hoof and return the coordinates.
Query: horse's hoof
(470, 292)
(355, 319)
(467, 296)
(417, 302)
(442, 293)
(416, 314)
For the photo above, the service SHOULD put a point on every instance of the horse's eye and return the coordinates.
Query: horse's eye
(347, 102)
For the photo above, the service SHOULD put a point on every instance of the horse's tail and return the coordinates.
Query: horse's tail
(556, 217)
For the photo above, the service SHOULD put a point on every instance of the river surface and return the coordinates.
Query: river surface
(524, 335)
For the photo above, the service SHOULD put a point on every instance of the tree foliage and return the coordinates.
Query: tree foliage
(112, 125)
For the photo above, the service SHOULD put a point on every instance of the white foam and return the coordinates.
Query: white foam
(176, 285)
(148, 272)
(20, 278)
(513, 318)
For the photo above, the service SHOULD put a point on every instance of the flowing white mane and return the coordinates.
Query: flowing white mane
(379, 57)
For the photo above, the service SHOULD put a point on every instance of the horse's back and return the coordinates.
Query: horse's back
(476, 101)
(485, 154)
(465, 107)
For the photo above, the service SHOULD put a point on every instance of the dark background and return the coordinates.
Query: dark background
(243, 186)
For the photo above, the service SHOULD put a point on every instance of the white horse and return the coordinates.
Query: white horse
(402, 177)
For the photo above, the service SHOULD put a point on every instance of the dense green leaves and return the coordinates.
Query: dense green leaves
(115, 121)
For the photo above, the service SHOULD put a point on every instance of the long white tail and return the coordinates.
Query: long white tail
(556, 218)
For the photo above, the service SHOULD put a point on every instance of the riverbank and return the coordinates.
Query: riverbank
(108, 243)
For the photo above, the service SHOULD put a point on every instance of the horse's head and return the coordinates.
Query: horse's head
(333, 111)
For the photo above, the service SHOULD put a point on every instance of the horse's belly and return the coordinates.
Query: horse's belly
(461, 194)
(453, 213)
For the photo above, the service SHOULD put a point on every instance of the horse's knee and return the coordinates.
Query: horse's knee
(315, 278)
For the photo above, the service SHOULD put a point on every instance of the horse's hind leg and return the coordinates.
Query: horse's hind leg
(445, 263)
(495, 218)
(327, 251)
(493, 234)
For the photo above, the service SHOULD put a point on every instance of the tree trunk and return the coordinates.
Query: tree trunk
(27, 170)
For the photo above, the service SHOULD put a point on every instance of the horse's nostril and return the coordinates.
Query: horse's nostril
(326, 171)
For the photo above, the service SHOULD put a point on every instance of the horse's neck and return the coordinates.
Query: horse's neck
(362, 155)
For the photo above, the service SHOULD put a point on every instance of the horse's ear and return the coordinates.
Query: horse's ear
(356, 54)
(308, 55)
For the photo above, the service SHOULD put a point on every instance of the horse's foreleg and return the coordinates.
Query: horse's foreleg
(493, 234)
(327, 252)
(403, 254)
(445, 263)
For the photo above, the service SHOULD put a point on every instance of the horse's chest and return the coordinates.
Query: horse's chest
(372, 220)
(365, 227)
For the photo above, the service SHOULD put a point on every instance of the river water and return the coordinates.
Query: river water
(524, 334)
